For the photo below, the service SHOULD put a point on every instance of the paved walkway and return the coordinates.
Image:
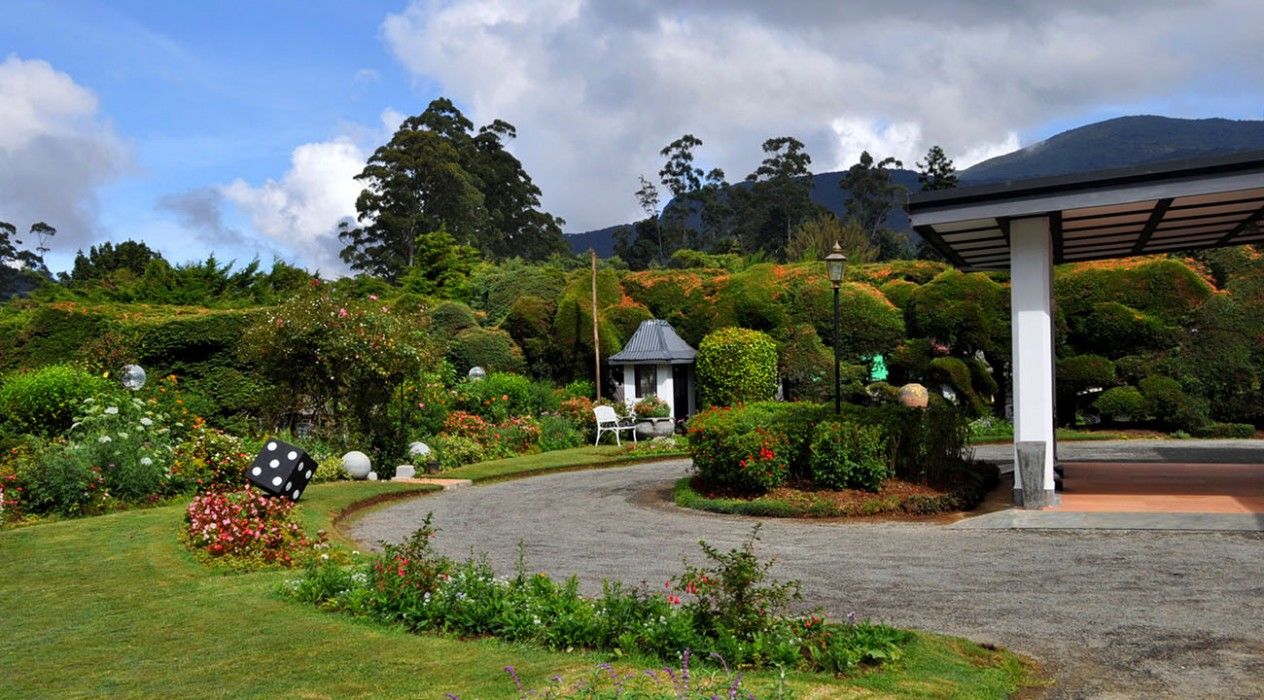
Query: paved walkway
(1111, 614)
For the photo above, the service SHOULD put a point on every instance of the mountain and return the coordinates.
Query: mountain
(1118, 143)
(1113, 143)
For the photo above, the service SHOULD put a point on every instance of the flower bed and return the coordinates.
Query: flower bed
(727, 609)
(247, 529)
(896, 497)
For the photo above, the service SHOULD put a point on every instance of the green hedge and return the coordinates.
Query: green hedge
(45, 401)
(735, 365)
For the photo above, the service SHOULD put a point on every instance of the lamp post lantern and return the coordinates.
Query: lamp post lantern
(834, 264)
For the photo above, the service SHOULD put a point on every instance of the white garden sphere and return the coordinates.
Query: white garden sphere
(419, 449)
(133, 377)
(477, 374)
(356, 464)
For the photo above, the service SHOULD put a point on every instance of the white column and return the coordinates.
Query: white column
(666, 388)
(1031, 300)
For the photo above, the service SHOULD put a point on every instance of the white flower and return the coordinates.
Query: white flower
(111, 410)
(145, 461)
(146, 422)
(104, 439)
(123, 436)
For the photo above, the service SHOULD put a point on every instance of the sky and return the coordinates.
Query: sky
(237, 128)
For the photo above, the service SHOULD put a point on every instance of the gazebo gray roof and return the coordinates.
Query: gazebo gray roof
(655, 342)
(1162, 207)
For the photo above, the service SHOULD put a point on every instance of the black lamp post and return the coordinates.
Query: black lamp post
(834, 264)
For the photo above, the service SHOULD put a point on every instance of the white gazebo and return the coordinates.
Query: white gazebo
(657, 362)
(1029, 226)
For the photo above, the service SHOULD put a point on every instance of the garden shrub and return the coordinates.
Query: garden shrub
(509, 437)
(454, 451)
(1121, 403)
(343, 358)
(503, 394)
(956, 373)
(448, 318)
(967, 311)
(769, 437)
(209, 459)
(1169, 404)
(246, 528)
(1111, 328)
(805, 364)
(1165, 287)
(1242, 431)
(927, 445)
(578, 411)
(627, 317)
(557, 433)
(846, 455)
(329, 469)
(869, 324)
(490, 348)
(130, 443)
(899, 292)
(52, 334)
(496, 289)
(530, 323)
(62, 481)
(44, 401)
(579, 388)
(1075, 375)
(735, 365)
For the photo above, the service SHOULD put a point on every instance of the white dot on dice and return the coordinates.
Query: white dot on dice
(288, 484)
(296, 493)
(309, 474)
(274, 463)
(292, 455)
(276, 481)
(256, 471)
(271, 445)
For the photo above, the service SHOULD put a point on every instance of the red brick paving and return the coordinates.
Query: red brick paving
(1166, 487)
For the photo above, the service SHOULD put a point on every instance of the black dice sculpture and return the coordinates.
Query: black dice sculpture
(281, 469)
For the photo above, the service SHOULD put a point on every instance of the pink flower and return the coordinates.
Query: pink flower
(673, 599)
(373, 297)
(342, 313)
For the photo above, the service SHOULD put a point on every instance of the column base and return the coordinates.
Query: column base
(1043, 498)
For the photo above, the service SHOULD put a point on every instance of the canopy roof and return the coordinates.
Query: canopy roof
(1156, 208)
(655, 342)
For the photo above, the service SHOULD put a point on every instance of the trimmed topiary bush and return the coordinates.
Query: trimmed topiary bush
(848, 456)
(451, 317)
(1168, 403)
(1121, 403)
(736, 365)
(490, 348)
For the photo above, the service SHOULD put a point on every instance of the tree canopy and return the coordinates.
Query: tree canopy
(436, 173)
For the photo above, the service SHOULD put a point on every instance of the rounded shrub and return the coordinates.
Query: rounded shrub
(736, 365)
(1168, 402)
(43, 401)
(451, 317)
(490, 348)
(848, 456)
(1121, 403)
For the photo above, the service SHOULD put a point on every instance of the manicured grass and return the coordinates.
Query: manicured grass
(558, 460)
(114, 606)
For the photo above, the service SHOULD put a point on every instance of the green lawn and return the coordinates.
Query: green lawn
(587, 457)
(114, 606)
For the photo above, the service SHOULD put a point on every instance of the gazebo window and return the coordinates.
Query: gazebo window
(646, 380)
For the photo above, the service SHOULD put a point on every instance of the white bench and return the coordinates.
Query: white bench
(608, 422)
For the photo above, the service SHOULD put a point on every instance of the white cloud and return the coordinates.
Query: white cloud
(597, 88)
(301, 211)
(56, 152)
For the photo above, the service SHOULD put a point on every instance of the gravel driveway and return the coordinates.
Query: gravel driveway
(1110, 614)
